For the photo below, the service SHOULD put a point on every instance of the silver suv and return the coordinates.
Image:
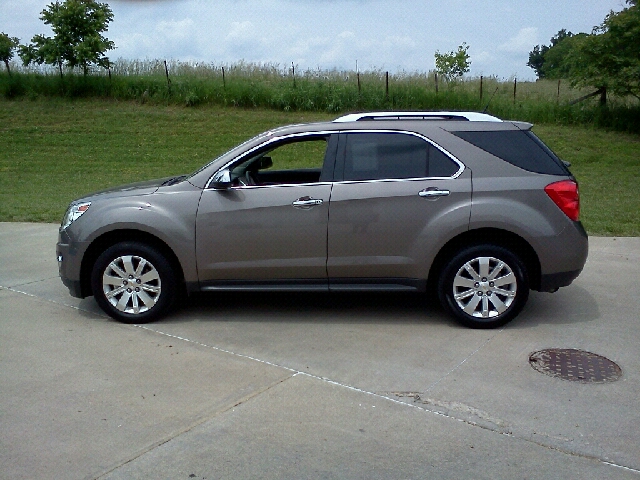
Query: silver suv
(476, 209)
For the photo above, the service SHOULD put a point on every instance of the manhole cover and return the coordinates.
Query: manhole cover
(575, 365)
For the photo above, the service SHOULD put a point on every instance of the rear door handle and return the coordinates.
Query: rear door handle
(433, 192)
(305, 203)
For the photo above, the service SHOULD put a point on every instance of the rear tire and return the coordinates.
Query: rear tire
(133, 283)
(484, 286)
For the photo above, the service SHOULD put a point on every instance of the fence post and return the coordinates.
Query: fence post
(515, 86)
(558, 97)
(435, 75)
(166, 71)
(603, 96)
(387, 86)
(293, 74)
(224, 82)
(481, 78)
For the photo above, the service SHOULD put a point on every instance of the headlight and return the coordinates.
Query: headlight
(74, 212)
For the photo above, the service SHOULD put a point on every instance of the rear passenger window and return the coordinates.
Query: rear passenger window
(377, 156)
(440, 165)
(522, 149)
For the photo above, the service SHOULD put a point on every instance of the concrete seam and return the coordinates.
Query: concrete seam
(32, 282)
(393, 400)
(629, 469)
(297, 372)
(465, 360)
(203, 419)
(241, 355)
(14, 290)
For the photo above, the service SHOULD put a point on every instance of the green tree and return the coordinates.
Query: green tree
(536, 59)
(77, 36)
(453, 64)
(557, 60)
(547, 59)
(609, 58)
(7, 46)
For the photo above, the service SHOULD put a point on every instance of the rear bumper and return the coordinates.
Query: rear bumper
(553, 281)
(564, 262)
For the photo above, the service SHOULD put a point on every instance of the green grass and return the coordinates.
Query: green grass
(607, 166)
(55, 150)
(275, 88)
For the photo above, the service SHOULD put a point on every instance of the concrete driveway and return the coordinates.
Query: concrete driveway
(312, 386)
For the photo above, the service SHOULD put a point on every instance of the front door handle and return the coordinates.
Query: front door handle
(305, 203)
(433, 193)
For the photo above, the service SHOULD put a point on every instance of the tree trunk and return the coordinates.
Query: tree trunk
(6, 62)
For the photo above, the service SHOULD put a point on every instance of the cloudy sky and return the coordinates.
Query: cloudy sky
(394, 35)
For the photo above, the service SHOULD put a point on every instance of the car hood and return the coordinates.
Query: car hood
(132, 189)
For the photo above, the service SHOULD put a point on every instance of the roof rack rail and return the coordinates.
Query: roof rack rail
(464, 116)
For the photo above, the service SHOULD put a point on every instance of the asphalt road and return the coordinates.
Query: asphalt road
(312, 386)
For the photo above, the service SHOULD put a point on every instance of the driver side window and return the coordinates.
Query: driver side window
(288, 162)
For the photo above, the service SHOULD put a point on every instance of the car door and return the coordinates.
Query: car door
(269, 228)
(395, 197)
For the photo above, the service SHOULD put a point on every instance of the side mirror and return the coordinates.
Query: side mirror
(222, 180)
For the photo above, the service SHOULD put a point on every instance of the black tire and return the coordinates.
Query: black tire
(467, 289)
(133, 283)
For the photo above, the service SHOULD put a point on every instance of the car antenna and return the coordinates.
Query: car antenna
(487, 107)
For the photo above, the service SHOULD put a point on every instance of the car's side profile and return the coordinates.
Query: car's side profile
(472, 207)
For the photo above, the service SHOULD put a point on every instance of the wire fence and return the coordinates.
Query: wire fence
(286, 87)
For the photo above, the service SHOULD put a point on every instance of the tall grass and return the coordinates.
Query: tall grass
(272, 86)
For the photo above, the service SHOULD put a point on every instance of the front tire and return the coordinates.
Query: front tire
(484, 286)
(133, 283)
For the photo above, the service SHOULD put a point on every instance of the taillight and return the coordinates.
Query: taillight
(565, 195)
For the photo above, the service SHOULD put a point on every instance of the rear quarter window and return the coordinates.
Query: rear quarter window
(519, 148)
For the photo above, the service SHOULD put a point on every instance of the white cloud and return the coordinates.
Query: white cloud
(176, 30)
(481, 63)
(241, 31)
(401, 42)
(347, 35)
(483, 57)
(522, 42)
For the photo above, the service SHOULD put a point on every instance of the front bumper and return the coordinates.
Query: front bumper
(69, 265)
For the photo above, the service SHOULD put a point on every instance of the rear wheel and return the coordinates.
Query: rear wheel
(133, 283)
(484, 286)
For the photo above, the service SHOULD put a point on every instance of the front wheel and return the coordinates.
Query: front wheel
(133, 283)
(484, 286)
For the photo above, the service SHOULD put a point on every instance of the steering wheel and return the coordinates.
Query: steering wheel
(247, 179)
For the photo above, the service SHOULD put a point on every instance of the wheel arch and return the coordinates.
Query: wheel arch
(106, 240)
(494, 236)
